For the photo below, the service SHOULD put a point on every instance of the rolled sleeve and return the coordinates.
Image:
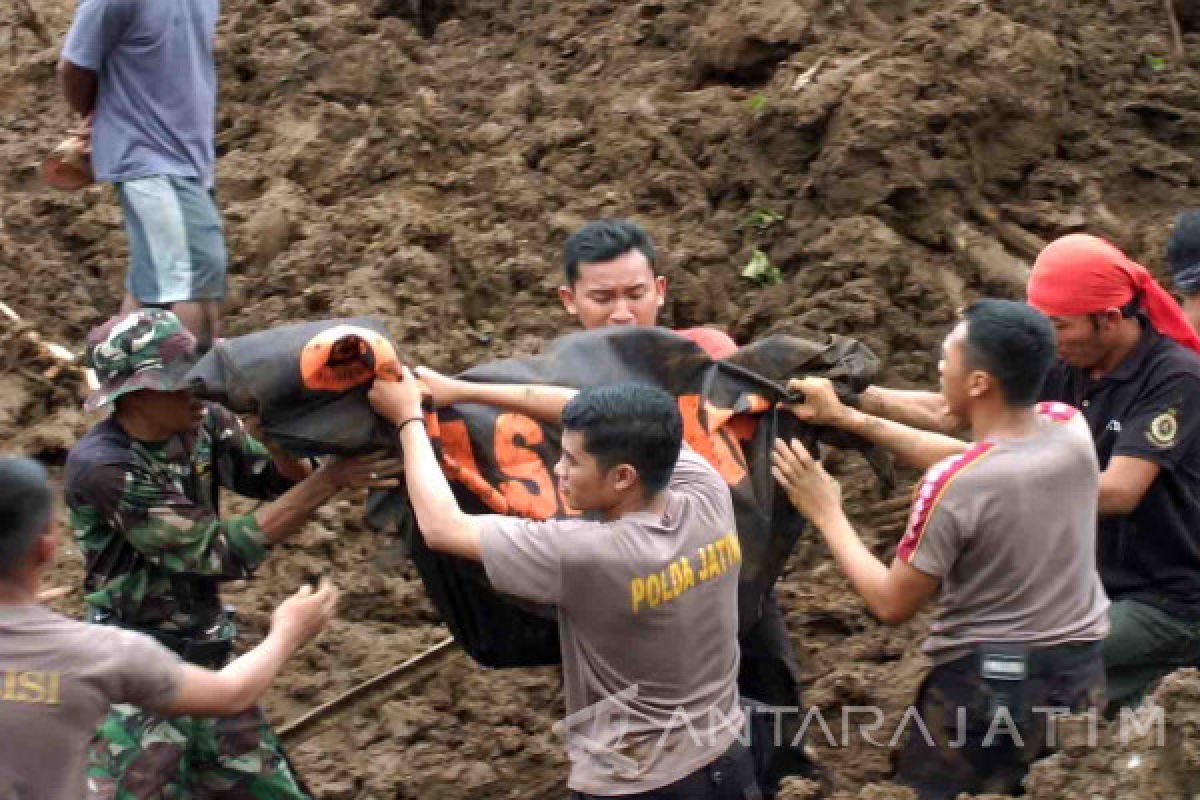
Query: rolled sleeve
(244, 465)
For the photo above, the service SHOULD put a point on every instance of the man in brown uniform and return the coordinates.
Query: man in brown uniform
(647, 593)
(1003, 533)
(58, 677)
(610, 267)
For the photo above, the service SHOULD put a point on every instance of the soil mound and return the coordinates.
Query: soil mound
(422, 162)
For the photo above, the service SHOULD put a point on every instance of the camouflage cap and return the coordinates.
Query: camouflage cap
(145, 349)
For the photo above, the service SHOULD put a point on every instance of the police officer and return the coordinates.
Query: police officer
(646, 588)
(1127, 358)
(143, 488)
(609, 266)
(1002, 532)
(58, 676)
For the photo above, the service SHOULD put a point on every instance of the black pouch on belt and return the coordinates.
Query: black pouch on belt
(1004, 668)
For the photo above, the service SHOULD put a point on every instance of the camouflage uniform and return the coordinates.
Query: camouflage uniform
(155, 552)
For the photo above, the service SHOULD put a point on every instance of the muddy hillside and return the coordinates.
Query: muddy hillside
(878, 162)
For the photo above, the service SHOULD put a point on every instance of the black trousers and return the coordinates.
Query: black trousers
(730, 777)
(770, 676)
(960, 707)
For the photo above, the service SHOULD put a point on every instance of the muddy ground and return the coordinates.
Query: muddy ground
(892, 159)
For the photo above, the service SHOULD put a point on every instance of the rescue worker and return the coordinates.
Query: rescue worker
(143, 487)
(1002, 533)
(58, 676)
(1127, 358)
(609, 265)
(646, 591)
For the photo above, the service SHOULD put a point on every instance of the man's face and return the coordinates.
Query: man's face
(1084, 341)
(174, 412)
(955, 375)
(584, 483)
(624, 291)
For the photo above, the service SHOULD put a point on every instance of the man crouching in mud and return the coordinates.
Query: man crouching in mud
(1002, 531)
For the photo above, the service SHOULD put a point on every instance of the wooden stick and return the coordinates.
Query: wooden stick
(1176, 31)
(291, 732)
(55, 352)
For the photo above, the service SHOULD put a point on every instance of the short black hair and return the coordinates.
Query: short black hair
(603, 240)
(1183, 252)
(629, 423)
(1012, 342)
(26, 506)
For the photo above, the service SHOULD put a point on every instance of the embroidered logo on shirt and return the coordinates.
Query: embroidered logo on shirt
(1114, 426)
(1163, 429)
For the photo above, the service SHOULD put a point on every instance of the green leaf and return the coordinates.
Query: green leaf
(1156, 63)
(761, 218)
(757, 103)
(761, 270)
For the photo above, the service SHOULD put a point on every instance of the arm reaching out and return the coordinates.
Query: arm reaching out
(287, 515)
(893, 594)
(543, 403)
(239, 685)
(912, 407)
(442, 523)
(913, 447)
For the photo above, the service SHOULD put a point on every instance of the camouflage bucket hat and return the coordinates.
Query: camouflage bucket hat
(145, 349)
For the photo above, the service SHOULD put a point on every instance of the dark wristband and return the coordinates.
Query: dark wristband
(400, 427)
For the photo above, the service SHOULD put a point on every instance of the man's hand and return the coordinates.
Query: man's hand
(811, 489)
(378, 471)
(50, 595)
(397, 401)
(821, 405)
(306, 613)
(238, 686)
(444, 390)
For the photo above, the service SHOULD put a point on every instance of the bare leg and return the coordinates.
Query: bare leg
(200, 317)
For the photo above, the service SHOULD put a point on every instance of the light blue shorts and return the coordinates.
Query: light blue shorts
(176, 242)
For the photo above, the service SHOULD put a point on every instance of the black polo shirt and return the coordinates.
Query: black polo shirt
(1147, 408)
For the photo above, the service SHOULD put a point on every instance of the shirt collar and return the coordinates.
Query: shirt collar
(1132, 364)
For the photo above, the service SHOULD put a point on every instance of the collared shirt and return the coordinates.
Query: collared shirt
(1016, 563)
(58, 679)
(147, 521)
(1148, 407)
(648, 625)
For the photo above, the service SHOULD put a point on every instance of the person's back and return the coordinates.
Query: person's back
(1017, 540)
(155, 105)
(58, 678)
